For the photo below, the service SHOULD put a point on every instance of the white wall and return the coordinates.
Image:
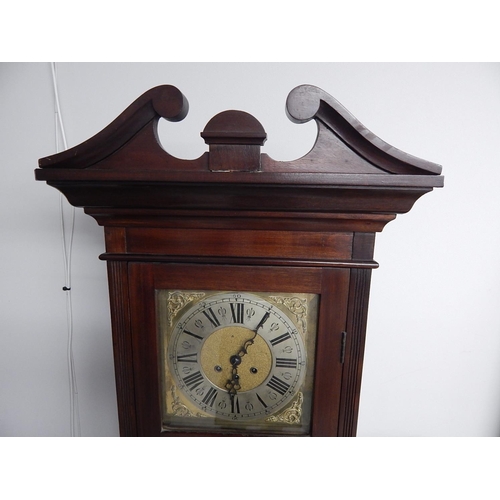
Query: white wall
(432, 364)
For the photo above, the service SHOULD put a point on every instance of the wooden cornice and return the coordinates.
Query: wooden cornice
(164, 101)
(308, 102)
(125, 165)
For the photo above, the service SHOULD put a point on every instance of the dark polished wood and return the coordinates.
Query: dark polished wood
(122, 346)
(236, 219)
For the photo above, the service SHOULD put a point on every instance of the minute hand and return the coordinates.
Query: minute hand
(262, 321)
(233, 384)
(249, 342)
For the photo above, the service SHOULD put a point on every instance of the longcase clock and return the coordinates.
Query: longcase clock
(238, 284)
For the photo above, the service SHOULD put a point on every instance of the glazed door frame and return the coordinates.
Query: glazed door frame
(332, 286)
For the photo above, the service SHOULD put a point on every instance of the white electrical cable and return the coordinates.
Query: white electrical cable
(67, 244)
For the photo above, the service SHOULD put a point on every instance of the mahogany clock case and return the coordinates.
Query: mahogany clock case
(236, 220)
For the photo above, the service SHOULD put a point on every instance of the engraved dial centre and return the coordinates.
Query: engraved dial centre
(220, 347)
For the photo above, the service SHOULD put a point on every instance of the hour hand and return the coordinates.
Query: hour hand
(233, 384)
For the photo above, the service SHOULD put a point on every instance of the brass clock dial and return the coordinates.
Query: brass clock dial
(237, 358)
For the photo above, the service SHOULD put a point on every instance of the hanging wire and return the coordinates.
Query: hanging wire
(67, 232)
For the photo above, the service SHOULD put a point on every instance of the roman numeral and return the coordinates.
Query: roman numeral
(188, 358)
(286, 363)
(194, 380)
(237, 311)
(278, 385)
(211, 317)
(235, 405)
(261, 401)
(210, 397)
(280, 339)
(193, 335)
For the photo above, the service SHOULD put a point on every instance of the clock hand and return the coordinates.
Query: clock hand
(233, 384)
(249, 342)
(262, 321)
(236, 359)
